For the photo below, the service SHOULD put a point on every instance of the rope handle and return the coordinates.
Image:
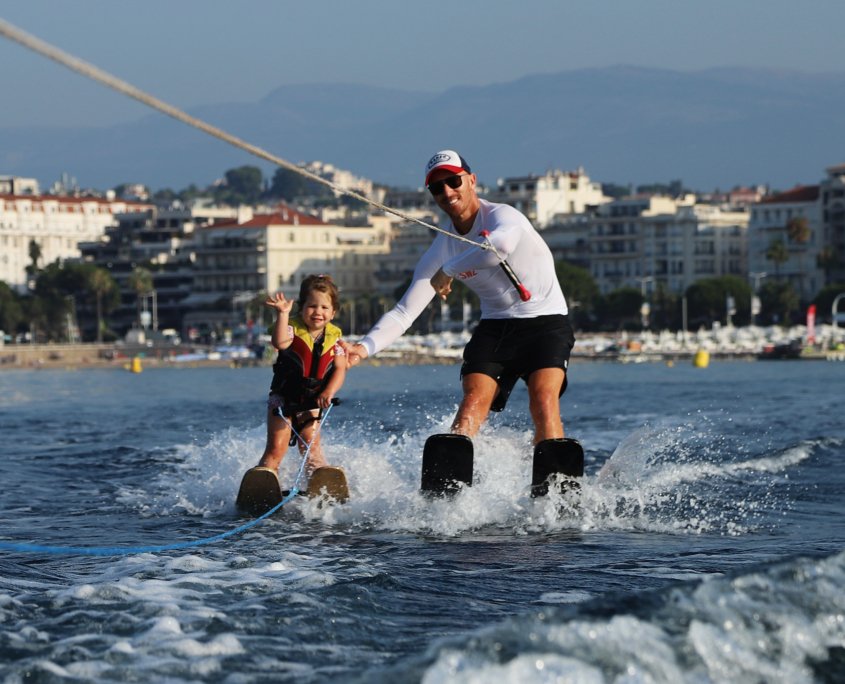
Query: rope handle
(524, 294)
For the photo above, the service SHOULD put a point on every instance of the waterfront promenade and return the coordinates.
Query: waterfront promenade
(624, 347)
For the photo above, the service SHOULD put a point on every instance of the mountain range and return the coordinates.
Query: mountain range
(716, 128)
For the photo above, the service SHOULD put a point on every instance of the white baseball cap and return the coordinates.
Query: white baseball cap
(446, 159)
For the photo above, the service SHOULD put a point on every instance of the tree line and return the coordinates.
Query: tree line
(69, 301)
(247, 185)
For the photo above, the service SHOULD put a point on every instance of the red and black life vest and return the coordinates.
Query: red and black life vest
(302, 370)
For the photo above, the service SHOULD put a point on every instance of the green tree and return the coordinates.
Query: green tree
(620, 308)
(54, 298)
(616, 191)
(290, 185)
(164, 196)
(580, 289)
(11, 311)
(243, 186)
(798, 230)
(35, 255)
(665, 312)
(190, 193)
(707, 299)
(141, 283)
(778, 254)
(778, 302)
(102, 285)
(674, 188)
(824, 299)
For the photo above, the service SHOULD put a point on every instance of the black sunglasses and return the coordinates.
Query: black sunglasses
(454, 182)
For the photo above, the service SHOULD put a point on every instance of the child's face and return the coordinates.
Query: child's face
(318, 310)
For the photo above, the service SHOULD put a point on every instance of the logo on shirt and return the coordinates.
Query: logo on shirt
(466, 275)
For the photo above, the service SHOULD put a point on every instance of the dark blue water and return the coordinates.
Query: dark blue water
(707, 545)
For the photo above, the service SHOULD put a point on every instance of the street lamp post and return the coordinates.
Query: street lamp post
(757, 276)
(834, 310)
(645, 308)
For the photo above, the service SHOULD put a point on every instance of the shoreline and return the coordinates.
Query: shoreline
(93, 356)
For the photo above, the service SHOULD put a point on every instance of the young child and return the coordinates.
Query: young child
(308, 372)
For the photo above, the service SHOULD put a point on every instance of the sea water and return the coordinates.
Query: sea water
(706, 544)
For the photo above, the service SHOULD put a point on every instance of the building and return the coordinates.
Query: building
(544, 199)
(833, 225)
(15, 185)
(273, 252)
(160, 241)
(650, 242)
(408, 242)
(569, 239)
(345, 180)
(770, 223)
(56, 225)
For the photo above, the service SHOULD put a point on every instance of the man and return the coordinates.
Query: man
(529, 339)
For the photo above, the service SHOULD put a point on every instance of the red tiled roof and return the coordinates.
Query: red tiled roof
(800, 193)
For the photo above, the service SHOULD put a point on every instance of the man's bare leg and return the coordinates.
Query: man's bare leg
(479, 392)
(544, 402)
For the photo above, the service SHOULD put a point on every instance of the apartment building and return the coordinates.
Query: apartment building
(770, 223)
(15, 185)
(55, 224)
(545, 199)
(345, 179)
(408, 242)
(651, 241)
(274, 251)
(833, 224)
(159, 240)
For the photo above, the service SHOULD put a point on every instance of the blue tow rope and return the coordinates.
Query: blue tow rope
(132, 550)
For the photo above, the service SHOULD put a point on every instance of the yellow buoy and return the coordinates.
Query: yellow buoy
(136, 364)
(702, 358)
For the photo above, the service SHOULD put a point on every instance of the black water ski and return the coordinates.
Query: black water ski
(446, 464)
(556, 457)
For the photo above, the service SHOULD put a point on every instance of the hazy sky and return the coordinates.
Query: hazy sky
(191, 52)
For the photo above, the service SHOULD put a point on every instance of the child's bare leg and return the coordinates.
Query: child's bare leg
(278, 438)
(316, 459)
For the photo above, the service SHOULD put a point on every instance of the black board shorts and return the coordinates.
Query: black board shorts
(513, 348)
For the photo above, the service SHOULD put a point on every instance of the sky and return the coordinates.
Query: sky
(195, 52)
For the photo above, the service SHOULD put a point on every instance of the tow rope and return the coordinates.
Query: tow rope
(89, 70)
(132, 550)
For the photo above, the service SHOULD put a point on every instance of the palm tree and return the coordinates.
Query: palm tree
(35, 255)
(101, 283)
(141, 282)
(778, 254)
(798, 230)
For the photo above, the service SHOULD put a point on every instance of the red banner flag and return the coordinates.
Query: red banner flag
(811, 324)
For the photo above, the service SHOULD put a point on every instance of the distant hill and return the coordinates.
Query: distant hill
(713, 128)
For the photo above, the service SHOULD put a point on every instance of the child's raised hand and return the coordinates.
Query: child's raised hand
(279, 303)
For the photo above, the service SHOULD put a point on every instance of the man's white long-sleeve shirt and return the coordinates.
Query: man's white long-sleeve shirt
(515, 239)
